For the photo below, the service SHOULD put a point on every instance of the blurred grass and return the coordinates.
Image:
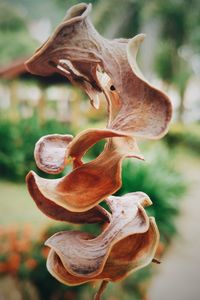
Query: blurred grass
(17, 207)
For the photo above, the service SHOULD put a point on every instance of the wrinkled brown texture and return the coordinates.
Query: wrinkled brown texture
(87, 257)
(128, 243)
(135, 109)
(129, 255)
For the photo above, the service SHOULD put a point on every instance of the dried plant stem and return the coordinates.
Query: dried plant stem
(156, 261)
(101, 290)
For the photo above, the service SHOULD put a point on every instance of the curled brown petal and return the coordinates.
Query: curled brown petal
(143, 111)
(56, 212)
(50, 152)
(87, 258)
(85, 140)
(92, 182)
(128, 255)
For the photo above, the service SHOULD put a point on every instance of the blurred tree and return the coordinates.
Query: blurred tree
(173, 70)
(15, 41)
(179, 19)
(116, 18)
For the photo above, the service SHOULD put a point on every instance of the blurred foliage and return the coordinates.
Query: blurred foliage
(185, 135)
(11, 19)
(14, 46)
(158, 178)
(17, 144)
(179, 19)
(165, 68)
(15, 40)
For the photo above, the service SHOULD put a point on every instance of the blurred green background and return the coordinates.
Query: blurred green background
(32, 106)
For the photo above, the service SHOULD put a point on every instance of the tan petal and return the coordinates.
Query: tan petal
(132, 50)
(128, 255)
(87, 257)
(50, 152)
(92, 182)
(56, 212)
(143, 110)
(146, 111)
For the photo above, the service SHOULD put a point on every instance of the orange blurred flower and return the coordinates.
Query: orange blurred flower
(23, 246)
(31, 263)
(14, 262)
(45, 252)
(3, 267)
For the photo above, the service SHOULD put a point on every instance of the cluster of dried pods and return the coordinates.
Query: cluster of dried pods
(136, 109)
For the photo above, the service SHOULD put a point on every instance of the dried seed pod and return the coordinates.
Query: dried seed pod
(128, 255)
